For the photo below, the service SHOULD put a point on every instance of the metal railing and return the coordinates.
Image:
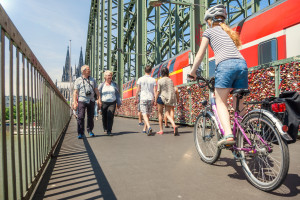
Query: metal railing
(33, 115)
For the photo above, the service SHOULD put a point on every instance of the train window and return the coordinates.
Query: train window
(267, 51)
(212, 67)
(171, 68)
(162, 66)
(155, 73)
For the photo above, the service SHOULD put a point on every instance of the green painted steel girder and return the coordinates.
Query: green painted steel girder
(126, 35)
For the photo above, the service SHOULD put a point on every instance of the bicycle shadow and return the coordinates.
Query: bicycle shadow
(289, 188)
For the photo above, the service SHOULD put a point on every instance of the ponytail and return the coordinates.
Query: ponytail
(233, 35)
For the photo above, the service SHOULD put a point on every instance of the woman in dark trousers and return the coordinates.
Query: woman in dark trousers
(109, 99)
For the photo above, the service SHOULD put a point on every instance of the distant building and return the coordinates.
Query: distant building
(80, 64)
(14, 100)
(66, 69)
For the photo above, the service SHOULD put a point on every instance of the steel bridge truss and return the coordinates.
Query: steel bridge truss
(126, 35)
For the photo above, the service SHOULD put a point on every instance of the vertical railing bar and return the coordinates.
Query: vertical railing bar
(4, 183)
(18, 123)
(28, 125)
(43, 114)
(38, 119)
(11, 121)
(24, 123)
(32, 120)
(50, 120)
(35, 121)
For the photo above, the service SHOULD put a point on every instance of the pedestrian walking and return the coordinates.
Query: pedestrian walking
(85, 90)
(109, 99)
(147, 88)
(166, 97)
(172, 111)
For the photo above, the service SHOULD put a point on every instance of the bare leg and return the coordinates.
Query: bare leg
(146, 120)
(166, 120)
(160, 116)
(167, 113)
(140, 117)
(221, 101)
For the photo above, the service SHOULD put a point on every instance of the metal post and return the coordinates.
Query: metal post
(157, 36)
(102, 39)
(11, 122)
(120, 71)
(4, 182)
(170, 30)
(142, 35)
(109, 23)
(176, 29)
(18, 110)
(97, 42)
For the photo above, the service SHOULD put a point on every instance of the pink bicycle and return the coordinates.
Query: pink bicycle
(261, 142)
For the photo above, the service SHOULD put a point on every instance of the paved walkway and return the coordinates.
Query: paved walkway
(132, 166)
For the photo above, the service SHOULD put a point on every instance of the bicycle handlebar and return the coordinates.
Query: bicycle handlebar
(210, 83)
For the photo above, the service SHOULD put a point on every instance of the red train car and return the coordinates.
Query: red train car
(268, 35)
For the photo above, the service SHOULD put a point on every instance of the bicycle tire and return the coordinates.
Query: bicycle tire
(206, 144)
(264, 170)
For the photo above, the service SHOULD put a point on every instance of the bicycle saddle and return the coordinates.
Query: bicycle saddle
(242, 92)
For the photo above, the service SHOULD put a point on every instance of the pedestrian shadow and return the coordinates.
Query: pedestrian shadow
(74, 172)
(102, 181)
(115, 134)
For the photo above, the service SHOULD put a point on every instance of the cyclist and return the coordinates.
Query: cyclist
(231, 68)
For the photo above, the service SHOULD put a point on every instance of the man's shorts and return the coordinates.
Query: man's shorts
(146, 106)
(138, 107)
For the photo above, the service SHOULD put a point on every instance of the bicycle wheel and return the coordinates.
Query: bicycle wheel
(206, 137)
(266, 168)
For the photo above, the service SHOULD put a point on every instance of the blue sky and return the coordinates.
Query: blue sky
(48, 25)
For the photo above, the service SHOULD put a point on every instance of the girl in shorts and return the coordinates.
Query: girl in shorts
(231, 68)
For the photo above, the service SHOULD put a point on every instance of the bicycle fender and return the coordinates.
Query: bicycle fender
(275, 120)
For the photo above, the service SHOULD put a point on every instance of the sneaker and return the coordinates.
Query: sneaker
(149, 132)
(109, 133)
(91, 134)
(80, 136)
(141, 124)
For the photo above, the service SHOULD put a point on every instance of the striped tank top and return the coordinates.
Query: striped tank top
(222, 45)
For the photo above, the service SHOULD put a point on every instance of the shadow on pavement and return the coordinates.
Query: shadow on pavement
(74, 172)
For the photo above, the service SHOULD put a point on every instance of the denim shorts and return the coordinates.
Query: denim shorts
(159, 101)
(232, 73)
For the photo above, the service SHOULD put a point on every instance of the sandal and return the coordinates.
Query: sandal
(160, 132)
(144, 132)
(176, 131)
(224, 140)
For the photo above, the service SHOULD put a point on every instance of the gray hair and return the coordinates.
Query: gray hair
(107, 72)
(84, 68)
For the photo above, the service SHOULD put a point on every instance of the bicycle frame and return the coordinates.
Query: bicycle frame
(236, 126)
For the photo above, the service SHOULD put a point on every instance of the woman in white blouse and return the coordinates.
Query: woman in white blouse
(110, 98)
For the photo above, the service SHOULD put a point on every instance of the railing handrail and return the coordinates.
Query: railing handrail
(12, 32)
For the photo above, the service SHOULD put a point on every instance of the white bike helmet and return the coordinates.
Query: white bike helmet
(217, 10)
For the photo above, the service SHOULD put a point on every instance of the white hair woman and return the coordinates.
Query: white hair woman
(109, 99)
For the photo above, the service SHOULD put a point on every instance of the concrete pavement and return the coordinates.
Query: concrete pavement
(131, 165)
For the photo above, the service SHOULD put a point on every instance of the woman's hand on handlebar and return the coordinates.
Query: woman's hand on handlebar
(192, 76)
